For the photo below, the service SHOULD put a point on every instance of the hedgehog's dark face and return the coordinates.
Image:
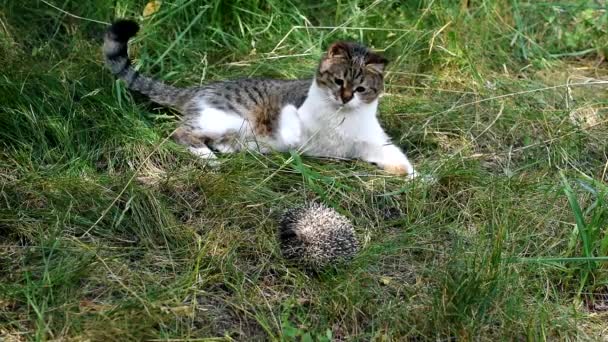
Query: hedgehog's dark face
(350, 74)
(289, 235)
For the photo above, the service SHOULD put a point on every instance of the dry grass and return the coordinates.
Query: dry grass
(112, 232)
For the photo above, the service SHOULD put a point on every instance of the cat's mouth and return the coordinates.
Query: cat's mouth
(338, 102)
(348, 105)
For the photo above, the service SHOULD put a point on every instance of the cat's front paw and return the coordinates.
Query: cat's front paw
(396, 169)
(400, 170)
(396, 163)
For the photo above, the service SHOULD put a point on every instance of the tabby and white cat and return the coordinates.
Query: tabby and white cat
(332, 115)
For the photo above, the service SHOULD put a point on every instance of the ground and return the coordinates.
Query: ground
(111, 231)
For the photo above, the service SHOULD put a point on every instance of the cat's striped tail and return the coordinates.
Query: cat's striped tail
(117, 60)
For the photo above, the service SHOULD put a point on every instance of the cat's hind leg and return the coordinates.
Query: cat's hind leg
(209, 128)
(196, 143)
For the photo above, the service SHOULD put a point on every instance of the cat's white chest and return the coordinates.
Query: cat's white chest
(336, 132)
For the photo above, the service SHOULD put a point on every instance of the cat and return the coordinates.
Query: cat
(331, 115)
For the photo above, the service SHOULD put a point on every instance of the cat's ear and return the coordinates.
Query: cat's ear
(335, 53)
(375, 62)
(338, 50)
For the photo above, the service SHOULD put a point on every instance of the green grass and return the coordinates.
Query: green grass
(109, 231)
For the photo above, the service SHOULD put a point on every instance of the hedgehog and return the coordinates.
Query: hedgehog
(317, 236)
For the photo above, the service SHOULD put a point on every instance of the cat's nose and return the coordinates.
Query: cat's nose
(346, 95)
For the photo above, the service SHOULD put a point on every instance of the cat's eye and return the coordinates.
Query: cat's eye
(360, 89)
(339, 81)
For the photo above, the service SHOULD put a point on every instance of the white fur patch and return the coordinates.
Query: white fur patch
(290, 128)
(215, 123)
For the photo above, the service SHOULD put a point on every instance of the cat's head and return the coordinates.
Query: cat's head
(351, 74)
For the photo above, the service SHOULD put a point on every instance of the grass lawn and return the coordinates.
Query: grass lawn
(111, 231)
